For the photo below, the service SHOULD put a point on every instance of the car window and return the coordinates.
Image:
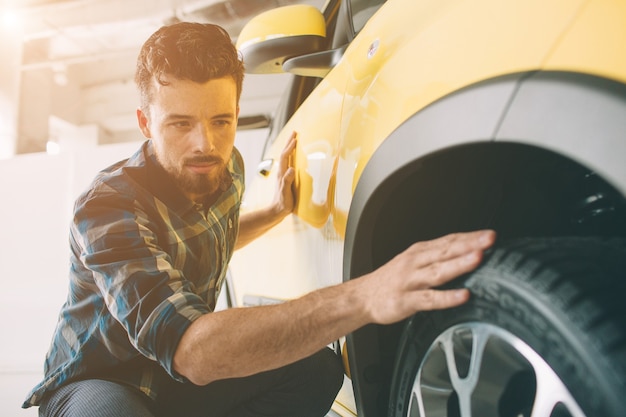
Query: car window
(362, 10)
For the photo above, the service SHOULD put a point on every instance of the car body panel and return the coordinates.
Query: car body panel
(577, 111)
(595, 42)
(451, 73)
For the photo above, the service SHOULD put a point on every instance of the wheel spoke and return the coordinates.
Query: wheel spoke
(550, 389)
(464, 386)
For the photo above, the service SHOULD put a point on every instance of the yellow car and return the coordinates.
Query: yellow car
(418, 118)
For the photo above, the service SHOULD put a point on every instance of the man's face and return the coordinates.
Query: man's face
(192, 127)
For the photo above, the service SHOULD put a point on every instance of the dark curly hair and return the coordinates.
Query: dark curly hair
(188, 51)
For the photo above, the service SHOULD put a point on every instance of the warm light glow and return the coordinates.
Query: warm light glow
(9, 18)
(52, 148)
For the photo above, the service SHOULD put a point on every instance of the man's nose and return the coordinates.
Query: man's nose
(204, 141)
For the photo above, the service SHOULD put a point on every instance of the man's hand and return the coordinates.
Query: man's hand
(256, 223)
(404, 285)
(284, 199)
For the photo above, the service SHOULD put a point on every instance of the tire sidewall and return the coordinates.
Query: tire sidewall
(504, 300)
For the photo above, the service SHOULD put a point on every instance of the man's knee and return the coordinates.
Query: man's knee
(96, 398)
(329, 369)
(326, 375)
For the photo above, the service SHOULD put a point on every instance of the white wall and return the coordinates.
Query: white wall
(37, 193)
(11, 53)
(36, 199)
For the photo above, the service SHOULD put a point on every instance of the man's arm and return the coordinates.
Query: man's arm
(254, 224)
(245, 341)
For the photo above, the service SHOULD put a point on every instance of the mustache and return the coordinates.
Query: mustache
(204, 159)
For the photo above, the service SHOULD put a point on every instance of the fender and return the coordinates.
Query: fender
(580, 116)
(461, 164)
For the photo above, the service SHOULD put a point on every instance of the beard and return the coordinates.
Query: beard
(200, 184)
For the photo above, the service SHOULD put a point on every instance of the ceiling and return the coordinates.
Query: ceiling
(75, 31)
(90, 46)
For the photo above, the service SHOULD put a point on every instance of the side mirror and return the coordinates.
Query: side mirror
(270, 38)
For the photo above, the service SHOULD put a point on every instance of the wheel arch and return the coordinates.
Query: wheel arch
(470, 170)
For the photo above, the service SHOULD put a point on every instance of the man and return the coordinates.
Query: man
(150, 243)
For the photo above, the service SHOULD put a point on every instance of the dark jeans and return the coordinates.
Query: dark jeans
(304, 389)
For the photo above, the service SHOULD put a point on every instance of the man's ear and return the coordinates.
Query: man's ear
(143, 122)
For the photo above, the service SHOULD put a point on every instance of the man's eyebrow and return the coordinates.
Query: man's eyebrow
(224, 116)
(175, 116)
(178, 116)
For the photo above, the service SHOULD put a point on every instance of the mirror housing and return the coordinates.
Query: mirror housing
(276, 35)
(317, 64)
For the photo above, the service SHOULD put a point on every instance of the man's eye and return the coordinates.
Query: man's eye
(181, 124)
(221, 122)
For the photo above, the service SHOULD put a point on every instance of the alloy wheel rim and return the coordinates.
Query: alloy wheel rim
(478, 369)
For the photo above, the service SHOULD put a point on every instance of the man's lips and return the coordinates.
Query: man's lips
(201, 166)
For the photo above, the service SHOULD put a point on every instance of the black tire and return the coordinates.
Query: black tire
(547, 325)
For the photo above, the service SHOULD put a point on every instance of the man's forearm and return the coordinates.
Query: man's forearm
(244, 341)
(256, 223)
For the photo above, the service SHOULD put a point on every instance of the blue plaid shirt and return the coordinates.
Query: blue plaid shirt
(145, 263)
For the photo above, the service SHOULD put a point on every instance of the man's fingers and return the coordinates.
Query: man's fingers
(451, 246)
(407, 283)
(439, 273)
(285, 193)
(289, 176)
(287, 155)
(441, 260)
(438, 300)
